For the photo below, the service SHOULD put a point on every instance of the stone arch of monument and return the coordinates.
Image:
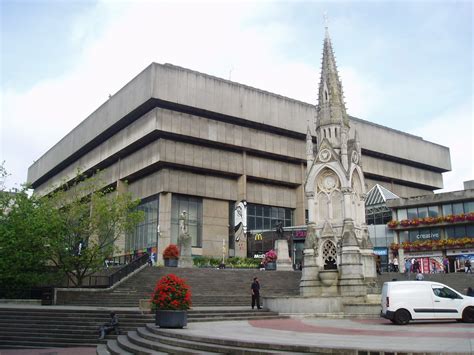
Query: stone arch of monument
(311, 181)
(329, 255)
(328, 204)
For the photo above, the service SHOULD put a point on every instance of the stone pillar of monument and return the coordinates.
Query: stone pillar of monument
(310, 284)
(351, 283)
(283, 261)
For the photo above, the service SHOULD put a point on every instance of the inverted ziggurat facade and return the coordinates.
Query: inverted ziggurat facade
(184, 140)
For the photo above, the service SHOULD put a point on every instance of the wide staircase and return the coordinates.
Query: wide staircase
(74, 322)
(54, 327)
(217, 295)
(209, 287)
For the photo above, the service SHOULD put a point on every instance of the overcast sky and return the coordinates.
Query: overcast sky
(407, 65)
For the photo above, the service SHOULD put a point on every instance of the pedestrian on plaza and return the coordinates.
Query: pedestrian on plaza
(416, 266)
(395, 264)
(113, 324)
(407, 268)
(446, 264)
(378, 265)
(467, 266)
(255, 287)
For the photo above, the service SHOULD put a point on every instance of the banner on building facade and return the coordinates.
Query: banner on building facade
(240, 219)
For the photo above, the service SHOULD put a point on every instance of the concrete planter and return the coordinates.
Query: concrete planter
(171, 262)
(271, 266)
(171, 318)
(328, 277)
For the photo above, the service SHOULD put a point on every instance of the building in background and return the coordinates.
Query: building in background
(434, 227)
(184, 140)
(377, 216)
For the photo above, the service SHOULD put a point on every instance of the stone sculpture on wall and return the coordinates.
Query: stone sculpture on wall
(184, 242)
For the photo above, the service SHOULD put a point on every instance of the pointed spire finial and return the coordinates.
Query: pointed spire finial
(326, 23)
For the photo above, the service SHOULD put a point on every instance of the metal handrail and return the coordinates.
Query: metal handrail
(106, 281)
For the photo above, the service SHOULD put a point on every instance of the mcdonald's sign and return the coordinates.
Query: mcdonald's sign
(258, 236)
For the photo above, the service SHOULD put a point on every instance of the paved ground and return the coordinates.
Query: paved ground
(365, 334)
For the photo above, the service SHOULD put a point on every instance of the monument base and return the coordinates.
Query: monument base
(185, 261)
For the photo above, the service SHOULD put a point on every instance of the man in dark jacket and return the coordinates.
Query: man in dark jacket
(108, 327)
(255, 293)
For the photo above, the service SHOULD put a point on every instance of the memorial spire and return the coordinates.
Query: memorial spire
(331, 108)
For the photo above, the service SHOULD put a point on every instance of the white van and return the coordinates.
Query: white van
(403, 301)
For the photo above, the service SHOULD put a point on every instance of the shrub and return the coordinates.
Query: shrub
(171, 293)
(171, 252)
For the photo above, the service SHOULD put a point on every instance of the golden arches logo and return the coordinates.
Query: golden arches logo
(258, 236)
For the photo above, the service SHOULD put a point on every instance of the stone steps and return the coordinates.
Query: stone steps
(153, 340)
(49, 327)
(209, 287)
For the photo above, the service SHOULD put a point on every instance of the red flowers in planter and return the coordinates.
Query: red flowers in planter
(270, 256)
(171, 293)
(171, 252)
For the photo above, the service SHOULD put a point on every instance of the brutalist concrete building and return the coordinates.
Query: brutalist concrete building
(185, 140)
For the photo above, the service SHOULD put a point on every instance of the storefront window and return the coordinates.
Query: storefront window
(193, 207)
(402, 214)
(447, 209)
(468, 206)
(261, 217)
(435, 233)
(145, 233)
(459, 231)
(413, 236)
(422, 212)
(412, 213)
(403, 237)
(458, 208)
(449, 232)
(470, 231)
(433, 211)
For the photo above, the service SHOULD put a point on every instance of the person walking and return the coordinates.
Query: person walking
(407, 268)
(446, 264)
(467, 266)
(395, 264)
(255, 287)
(113, 324)
(416, 266)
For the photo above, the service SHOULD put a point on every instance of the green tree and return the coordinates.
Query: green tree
(73, 228)
(92, 219)
(25, 225)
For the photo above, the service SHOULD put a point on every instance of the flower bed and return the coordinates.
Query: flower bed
(432, 220)
(434, 244)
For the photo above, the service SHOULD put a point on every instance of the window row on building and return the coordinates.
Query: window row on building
(146, 236)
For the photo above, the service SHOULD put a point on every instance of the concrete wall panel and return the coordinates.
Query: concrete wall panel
(271, 195)
(215, 226)
(401, 172)
(137, 91)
